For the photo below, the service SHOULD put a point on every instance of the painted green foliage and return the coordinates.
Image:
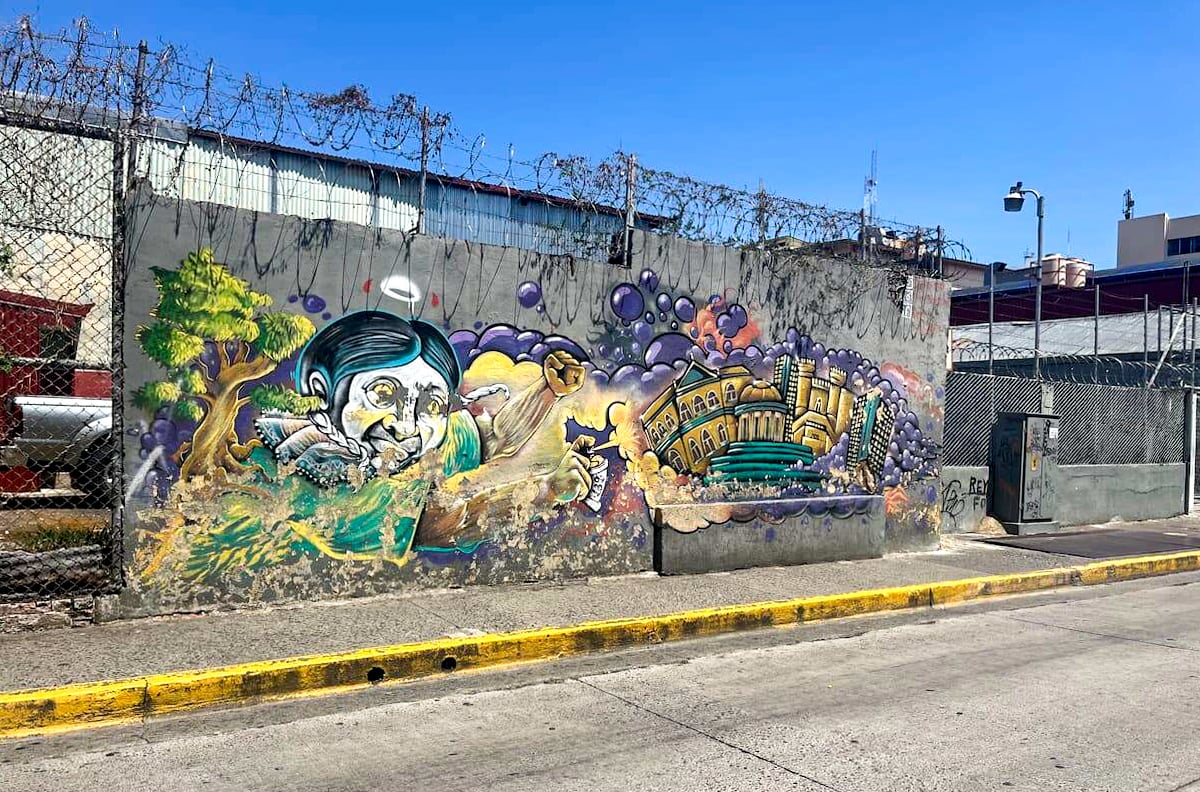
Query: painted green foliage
(202, 304)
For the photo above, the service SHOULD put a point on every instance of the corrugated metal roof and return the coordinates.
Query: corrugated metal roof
(252, 176)
(1119, 334)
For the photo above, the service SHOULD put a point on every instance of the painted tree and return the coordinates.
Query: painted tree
(212, 336)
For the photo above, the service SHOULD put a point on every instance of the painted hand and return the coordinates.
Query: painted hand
(571, 479)
(564, 374)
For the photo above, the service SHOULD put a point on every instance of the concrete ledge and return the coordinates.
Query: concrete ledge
(47, 710)
(777, 532)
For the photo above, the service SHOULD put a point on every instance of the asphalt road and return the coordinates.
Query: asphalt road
(1079, 690)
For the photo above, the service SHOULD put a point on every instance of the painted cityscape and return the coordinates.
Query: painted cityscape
(726, 425)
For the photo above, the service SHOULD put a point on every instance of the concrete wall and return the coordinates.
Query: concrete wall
(1099, 493)
(964, 498)
(413, 411)
(1141, 240)
(1086, 494)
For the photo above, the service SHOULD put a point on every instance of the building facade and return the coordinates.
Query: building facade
(1157, 238)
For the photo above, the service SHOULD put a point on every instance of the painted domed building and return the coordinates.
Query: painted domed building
(762, 452)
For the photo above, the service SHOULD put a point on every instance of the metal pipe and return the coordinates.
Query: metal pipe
(1146, 339)
(630, 206)
(424, 170)
(1194, 303)
(991, 316)
(1037, 302)
(1096, 335)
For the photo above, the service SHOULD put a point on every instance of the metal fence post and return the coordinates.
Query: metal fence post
(1146, 340)
(940, 242)
(1096, 337)
(761, 213)
(862, 234)
(1189, 453)
(424, 170)
(114, 551)
(630, 205)
(991, 317)
(1194, 305)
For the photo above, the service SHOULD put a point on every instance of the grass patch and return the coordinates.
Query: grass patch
(58, 537)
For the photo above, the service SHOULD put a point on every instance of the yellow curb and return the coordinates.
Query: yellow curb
(45, 710)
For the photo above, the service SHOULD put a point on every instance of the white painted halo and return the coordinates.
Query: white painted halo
(400, 288)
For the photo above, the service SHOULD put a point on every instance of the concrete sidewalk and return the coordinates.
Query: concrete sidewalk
(162, 644)
(158, 645)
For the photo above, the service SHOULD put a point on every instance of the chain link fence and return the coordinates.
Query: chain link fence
(972, 401)
(1100, 424)
(59, 241)
(1109, 425)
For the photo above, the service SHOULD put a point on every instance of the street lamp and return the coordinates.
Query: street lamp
(1013, 203)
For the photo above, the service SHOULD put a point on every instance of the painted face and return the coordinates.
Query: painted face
(400, 412)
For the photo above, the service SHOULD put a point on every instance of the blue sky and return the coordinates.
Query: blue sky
(1080, 100)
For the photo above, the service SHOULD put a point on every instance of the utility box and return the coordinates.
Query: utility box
(1024, 472)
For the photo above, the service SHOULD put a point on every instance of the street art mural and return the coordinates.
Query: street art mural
(288, 437)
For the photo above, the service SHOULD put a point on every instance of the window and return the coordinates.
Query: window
(674, 460)
(730, 394)
(698, 404)
(709, 446)
(713, 400)
(684, 413)
(722, 435)
(56, 343)
(694, 448)
(1183, 246)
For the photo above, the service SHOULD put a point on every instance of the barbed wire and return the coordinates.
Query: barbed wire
(88, 76)
(1131, 369)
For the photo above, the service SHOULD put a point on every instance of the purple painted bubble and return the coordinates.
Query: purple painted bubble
(529, 294)
(165, 433)
(648, 279)
(540, 308)
(627, 375)
(148, 442)
(685, 309)
(728, 347)
(668, 348)
(674, 325)
(538, 352)
(500, 338)
(293, 298)
(642, 332)
(626, 301)
(649, 317)
(462, 341)
(527, 338)
(313, 303)
(663, 301)
(566, 345)
(327, 316)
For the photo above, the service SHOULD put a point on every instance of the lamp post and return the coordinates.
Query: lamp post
(1013, 203)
